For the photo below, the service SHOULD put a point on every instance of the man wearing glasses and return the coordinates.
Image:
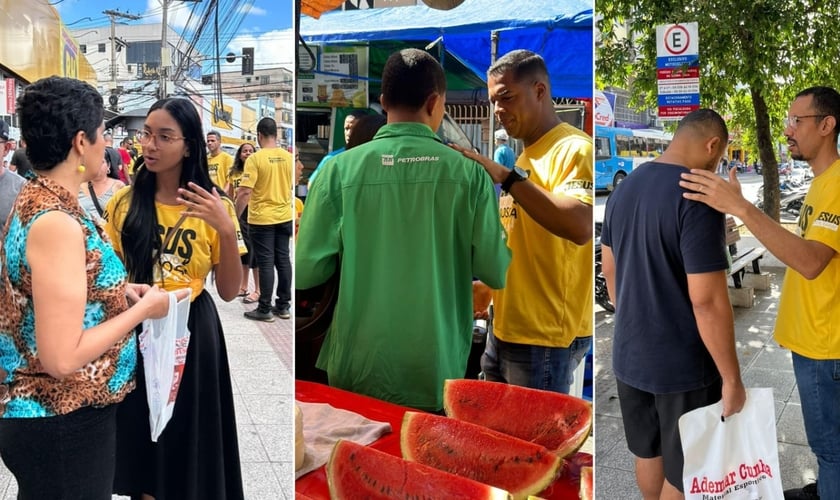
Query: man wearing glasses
(10, 182)
(808, 313)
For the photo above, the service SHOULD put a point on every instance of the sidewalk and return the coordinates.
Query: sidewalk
(260, 357)
(763, 364)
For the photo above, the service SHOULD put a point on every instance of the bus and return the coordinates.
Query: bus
(619, 150)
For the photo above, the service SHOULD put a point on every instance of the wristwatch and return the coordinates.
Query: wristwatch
(516, 175)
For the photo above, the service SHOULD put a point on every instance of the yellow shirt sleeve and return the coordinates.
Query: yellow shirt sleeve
(215, 250)
(115, 211)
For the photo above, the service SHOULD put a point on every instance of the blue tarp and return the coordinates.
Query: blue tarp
(559, 30)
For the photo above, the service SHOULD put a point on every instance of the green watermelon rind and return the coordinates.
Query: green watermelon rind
(433, 440)
(345, 483)
(495, 405)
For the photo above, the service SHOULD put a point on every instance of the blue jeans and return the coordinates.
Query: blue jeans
(538, 367)
(819, 391)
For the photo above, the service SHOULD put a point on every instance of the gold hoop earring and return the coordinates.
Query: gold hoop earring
(81, 169)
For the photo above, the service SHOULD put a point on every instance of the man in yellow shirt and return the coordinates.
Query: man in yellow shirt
(218, 162)
(542, 326)
(808, 314)
(266, 189)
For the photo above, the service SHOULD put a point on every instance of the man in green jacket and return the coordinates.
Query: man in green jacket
(410, 222)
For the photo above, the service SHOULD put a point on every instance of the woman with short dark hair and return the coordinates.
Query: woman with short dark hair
(66, 349)
(172, 227)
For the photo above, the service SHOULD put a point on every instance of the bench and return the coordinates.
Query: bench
(741, 259)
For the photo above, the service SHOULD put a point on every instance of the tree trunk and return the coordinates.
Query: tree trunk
(767, 153)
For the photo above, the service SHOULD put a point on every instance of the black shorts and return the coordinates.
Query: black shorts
(651, 423)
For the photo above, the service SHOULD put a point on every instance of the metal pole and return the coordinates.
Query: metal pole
(164, 59)
(113, 53)
(494, 50)
(113, 15)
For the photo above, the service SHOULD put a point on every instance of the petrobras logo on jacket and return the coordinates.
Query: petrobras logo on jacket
(389, 160)
(418, 159)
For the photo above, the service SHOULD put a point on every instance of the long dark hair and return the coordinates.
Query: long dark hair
(139, 235)
(238, 163)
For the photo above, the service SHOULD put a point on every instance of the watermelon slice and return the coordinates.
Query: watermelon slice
(557, 421)
(586, 483)
(479, 453)
(356, 471)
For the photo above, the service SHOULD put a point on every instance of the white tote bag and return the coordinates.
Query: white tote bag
(733, 460)
(163, 343)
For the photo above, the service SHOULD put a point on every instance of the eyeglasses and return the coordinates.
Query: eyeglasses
(793, 121)
(146, 136)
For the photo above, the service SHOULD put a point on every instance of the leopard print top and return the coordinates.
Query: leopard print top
(106, 380)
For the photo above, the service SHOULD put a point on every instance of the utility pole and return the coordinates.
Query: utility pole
(114, 14)
(164, 50)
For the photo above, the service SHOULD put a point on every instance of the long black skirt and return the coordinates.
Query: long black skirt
(197, 455)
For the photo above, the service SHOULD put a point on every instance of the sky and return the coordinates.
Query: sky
(266, 26)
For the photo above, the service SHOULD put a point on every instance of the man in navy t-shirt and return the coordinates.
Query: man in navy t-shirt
(665, 261)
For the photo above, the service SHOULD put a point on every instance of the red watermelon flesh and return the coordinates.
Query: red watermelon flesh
(586, 483)
(478, 453)
(355, 472)
(557, 421)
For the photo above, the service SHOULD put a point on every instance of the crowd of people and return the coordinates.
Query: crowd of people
(409, 223)
(129, 230)
(411, 227)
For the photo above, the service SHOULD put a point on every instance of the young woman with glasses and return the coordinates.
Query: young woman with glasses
(172, 227)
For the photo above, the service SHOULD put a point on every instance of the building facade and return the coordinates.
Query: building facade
(34, 44)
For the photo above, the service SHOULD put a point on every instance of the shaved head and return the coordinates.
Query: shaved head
(702, 124)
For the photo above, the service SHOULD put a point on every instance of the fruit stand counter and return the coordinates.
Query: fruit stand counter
(314, 484)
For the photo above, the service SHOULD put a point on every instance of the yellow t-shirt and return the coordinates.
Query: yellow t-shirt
(218, 167)
(190, 254)
(234, 179)
(268, 173)
(130, 167)
(298, 213)
(808, 314)
(547, 299)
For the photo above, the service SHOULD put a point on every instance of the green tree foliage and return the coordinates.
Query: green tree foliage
(754, 56)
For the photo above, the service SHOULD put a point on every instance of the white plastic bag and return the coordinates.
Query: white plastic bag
(733, 460)
(163, 343)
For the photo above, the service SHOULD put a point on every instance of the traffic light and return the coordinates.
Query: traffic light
(248, 60)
